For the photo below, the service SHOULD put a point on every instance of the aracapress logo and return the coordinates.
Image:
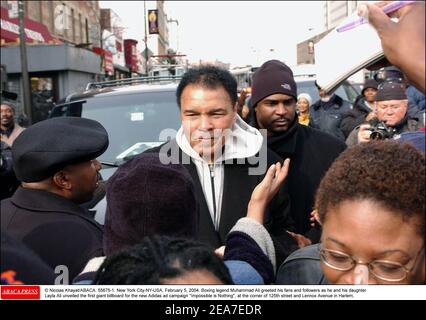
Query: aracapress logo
(20, 292)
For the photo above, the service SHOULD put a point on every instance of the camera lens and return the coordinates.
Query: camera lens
(376, 135)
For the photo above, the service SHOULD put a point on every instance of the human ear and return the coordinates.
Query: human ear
(62, 180)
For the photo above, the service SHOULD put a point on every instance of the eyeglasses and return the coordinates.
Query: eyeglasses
(382, 269)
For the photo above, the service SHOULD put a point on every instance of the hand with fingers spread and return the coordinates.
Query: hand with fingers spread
(403, 42)
(266, 190)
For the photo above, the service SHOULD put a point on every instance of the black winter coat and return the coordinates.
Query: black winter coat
(56, 229)
(327, 116)
(355, 117)
(237, 189)
(311, 153)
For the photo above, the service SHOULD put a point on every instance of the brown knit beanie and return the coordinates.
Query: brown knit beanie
(146, 197)
(271, 78)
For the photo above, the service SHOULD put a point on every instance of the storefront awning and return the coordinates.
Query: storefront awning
(34, 31)
(121, 68)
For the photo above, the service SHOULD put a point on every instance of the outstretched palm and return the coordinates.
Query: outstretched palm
(267, 189)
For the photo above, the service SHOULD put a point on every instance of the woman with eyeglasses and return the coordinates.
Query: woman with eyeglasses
(371, 205)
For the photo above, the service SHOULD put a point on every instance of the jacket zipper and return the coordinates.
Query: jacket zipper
(211, 168)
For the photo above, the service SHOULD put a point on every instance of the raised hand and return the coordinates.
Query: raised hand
(408, 35)
(266, 190)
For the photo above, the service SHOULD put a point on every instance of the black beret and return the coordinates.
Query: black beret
(48, 146)
(390, 91)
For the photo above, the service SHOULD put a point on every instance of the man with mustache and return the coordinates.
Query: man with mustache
(311, 152)
(55, 161)
(226, 158)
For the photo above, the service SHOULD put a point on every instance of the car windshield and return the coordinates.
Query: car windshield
(134, 122)
(345, 91)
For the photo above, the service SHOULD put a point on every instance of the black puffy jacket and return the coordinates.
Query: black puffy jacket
(327, 116)
(355, 117)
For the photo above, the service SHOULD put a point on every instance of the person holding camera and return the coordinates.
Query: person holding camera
(391, 116)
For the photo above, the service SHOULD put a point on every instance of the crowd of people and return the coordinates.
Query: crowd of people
(293, 191)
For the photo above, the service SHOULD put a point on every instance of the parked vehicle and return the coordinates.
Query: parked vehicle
(305, 76)
(307, 85)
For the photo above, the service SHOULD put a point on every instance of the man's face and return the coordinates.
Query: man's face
(207, 117)
(275, 113)
(370, 94)
(84, 179)
(391, 111)
(7, 115)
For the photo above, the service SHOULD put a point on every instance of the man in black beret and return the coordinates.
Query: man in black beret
(391, 114)
(311, 152)
(55, 161)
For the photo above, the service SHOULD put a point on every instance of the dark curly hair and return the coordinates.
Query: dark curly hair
(157, 258)
(387, 172)
(210, 77)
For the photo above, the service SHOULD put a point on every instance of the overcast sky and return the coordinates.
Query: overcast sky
(236, 32)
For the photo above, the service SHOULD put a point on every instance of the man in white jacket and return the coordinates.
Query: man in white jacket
(226, 158)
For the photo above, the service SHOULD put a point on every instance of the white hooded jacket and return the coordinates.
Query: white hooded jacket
(243, 142)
